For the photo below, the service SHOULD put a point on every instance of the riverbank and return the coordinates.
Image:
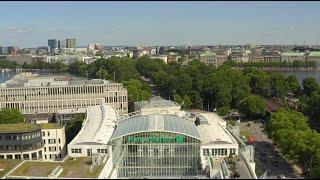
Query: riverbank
(283, 69)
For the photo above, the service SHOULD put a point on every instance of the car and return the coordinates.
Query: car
(281, 176)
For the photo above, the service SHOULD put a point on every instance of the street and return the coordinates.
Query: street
(264, 144)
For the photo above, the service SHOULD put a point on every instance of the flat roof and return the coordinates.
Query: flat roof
(51, 126)
(18, 127)
(36, 80)
(156, 102)
(155, 122)
(214, 132)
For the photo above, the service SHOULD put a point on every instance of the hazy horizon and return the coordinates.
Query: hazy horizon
(31, 24)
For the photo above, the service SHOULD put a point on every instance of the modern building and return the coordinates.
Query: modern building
(21, 141)
(13, 50)
(54, 141)
(34, 94)
(154, 143)
(71, 43)
(32, 141)
(53, 45)
(293, 56)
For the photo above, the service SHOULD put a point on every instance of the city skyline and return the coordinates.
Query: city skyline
(31, 24)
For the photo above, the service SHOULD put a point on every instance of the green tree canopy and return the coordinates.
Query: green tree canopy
(253, 106)
(8, 116)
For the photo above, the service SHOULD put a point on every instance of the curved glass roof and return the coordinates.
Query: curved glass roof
(156, 122)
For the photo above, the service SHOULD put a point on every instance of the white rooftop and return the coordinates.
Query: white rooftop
(36, 80)
(214, 132)
(98, 125)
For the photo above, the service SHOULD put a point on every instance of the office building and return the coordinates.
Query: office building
(71, 43)
(32, 141)
(34, 94)
(21, 141)
(53, 45)
(293, 56)
(210, 57)
(314, 56)
(13, 50)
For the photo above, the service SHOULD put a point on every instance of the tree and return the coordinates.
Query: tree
(310, 85)
(294, 85)
(222, 111)
(137, 90)
(186, 102)
(278, 86)
(73, 127)
(9, 116)
(177, 98)
(253, 107)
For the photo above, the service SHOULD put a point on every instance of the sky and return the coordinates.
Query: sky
(31, 24)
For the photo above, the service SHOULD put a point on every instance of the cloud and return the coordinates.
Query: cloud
(17, 30)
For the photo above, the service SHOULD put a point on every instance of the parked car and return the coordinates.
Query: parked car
(281, 176)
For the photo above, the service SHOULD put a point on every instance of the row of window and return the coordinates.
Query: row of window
(218, 152)
(26, 136)
(23, 156)
(102, 151)
(51, 141)
(52, 149)
(76, 151)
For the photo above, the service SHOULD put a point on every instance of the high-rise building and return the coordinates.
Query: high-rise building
(53, 45)
(13, 50)
(71, 43)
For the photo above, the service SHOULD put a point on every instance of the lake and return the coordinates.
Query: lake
(6, 76)
(300, 74)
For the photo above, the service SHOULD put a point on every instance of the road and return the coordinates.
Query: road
(264, 144)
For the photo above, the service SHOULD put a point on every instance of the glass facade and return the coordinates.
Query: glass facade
(156, 154)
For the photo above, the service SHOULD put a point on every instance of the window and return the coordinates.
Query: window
(59, 141)
(205, 152)
(52, 149)
(43, 134)
(103, 151)
(52, 141)
(232, 151)
(76, 151)
(17, 156)
(48, 133)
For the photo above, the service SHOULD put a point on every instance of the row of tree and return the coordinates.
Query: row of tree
(273, 64)
(6, 64)
(290, 131)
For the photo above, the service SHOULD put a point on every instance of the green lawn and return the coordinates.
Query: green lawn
(79, 168)
(7, 165)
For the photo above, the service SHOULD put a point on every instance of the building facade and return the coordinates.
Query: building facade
(53, 45)
(314, 56)
(54, 140)
(21, 141)
(293, 56)
(33, 94)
